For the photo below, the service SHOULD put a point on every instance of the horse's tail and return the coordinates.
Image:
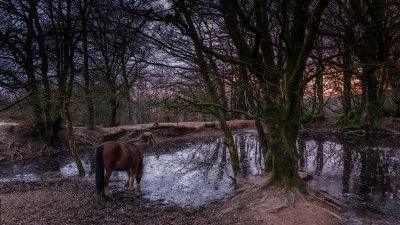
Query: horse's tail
(141, 167)
(99, 170)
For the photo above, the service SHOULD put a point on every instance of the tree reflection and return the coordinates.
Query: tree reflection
(302, 153)
(375, 172)
(244, 161)
(319, 157)
(347, 166)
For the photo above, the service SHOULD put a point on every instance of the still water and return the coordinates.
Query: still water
(363, 175)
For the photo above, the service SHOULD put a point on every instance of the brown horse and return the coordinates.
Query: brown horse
(119, 156)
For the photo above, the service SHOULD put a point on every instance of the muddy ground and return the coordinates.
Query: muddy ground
(72, 201)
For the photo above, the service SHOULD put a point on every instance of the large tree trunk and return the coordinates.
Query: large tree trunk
(396, 99)
(129, 107)
(394, 75)
(71, 141)
(113, 110)
(319, 82)
(371, 118)
(113, 101)
(238, 93)
(283, 134)
(284, 158)
(230, 142)
(220, 80)
(347, 76)
(66, 82)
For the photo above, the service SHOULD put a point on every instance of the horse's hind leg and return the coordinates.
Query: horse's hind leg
(138, 175)
(107, 180)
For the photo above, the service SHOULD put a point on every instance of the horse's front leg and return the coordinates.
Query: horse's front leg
(127, 184)
(132, 181)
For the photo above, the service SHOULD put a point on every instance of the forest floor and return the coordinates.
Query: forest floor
(72, 200)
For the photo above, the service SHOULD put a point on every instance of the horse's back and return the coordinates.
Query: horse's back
(135, 150)
(121, 155)
(111, 153)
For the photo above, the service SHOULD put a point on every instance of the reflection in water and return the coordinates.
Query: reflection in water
(319, 157)
(32, 170)
(362, 174)
(192, 176)
(251, 158)
(368, 179)
(302, 153)
(70, 169)
(347, 166)
(375, 176)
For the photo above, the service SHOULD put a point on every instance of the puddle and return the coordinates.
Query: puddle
(365, 176)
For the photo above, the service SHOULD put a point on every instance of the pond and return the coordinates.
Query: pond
(364, 175)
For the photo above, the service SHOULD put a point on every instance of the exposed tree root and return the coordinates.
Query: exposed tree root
(331, 213)
(326, 199)
(360, 133)
(248, 193)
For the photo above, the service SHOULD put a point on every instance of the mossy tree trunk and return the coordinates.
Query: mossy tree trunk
(233, 151)
(71, 140)
(284, 158)
(282, 87)
(372, 117)
(373, 53)
(394, 78)
(112, 98)
(347, 77)
(319, 83)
